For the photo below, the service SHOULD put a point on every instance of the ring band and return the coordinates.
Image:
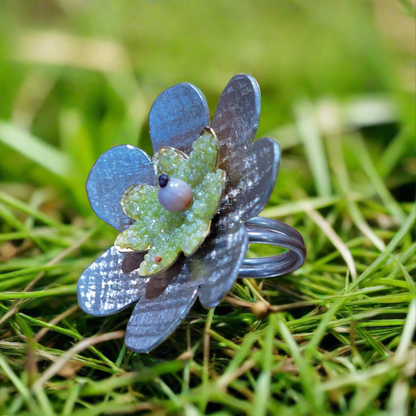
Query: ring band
(267, 231)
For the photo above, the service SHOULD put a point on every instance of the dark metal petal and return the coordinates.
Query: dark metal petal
(168, 299)
(219, 259)
(170, 295)
(257, 171)
(113, 173)
(236, 121)
(177, 117)
(111, 283)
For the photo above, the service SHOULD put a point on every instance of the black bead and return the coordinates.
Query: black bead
(163, 180)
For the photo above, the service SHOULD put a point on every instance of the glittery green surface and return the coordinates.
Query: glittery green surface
(166, 234)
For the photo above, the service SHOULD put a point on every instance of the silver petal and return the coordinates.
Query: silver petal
(177, 117)
(111, 283)
(257, 171)
(168, 299)
(236, 121)
(170, 295)
(219, 259)
(115, 171)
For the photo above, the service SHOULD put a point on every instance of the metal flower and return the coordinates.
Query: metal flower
(176, 119)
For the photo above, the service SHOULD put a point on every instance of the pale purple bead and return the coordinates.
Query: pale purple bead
(175, 196)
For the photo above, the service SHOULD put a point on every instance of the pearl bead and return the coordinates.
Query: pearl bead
(174, 194)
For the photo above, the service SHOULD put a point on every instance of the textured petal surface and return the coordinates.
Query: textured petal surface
(257, 171)
(111, 283)
(177, 117)
(168, 299)
(219, 259)
(236, 121)
(251, 170)
(113, 173)
(170, 294)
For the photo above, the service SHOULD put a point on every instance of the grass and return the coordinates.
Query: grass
(335, 337)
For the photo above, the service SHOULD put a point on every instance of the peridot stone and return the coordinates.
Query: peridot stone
(166, 234)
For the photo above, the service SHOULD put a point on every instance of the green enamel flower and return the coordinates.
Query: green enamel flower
(166, 234)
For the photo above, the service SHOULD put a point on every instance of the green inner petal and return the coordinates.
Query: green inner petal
(166, 234)
(171, 162)
(207, 195)
(138, 200)
(163, 253)
(203, 159)
(193, 233)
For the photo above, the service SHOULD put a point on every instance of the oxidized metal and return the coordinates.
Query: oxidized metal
(176, 119)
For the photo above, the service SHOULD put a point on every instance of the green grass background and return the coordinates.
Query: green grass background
(337, 81)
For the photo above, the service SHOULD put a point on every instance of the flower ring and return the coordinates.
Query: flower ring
(199, 194)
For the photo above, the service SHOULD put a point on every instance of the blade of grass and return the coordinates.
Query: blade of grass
(59, 291)
(408, 331)
(314, 148)
(378, 183)
(104, 386)
(30, 210)
(345, 252)
(82, 345)
(208, 323)
(35, 149)
(337, 163)
(23, 390)
(382, 257)
(308, 379)
(262, 390)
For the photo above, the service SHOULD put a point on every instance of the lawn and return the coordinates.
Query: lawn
(336, 337)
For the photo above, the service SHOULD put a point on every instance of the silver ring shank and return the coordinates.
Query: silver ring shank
(267, 231)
